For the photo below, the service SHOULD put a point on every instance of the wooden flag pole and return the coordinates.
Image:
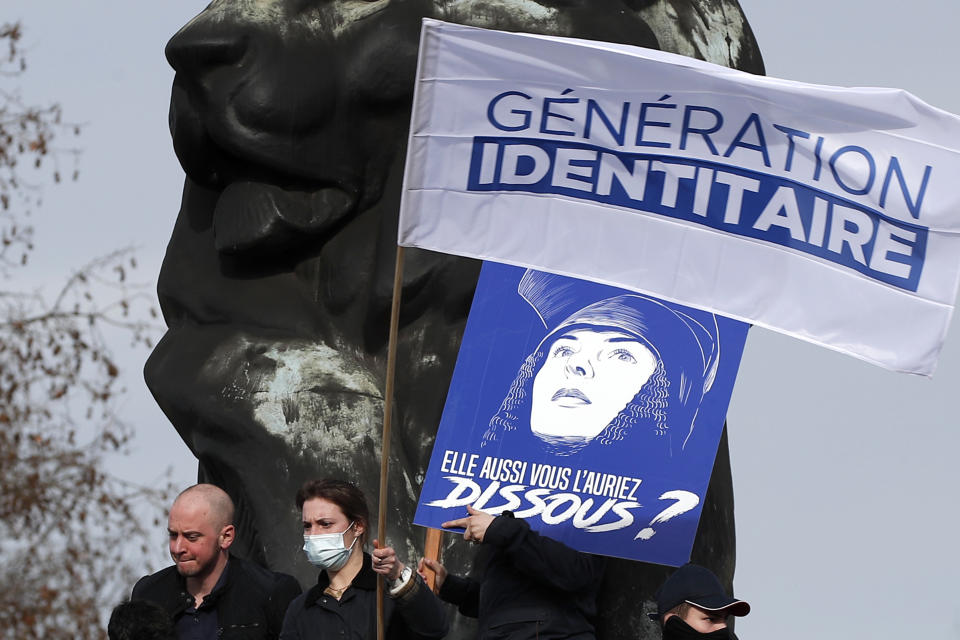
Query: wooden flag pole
(385, 442)
(431, 550)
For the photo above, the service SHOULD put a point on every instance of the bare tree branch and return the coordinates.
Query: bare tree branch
(66, 523)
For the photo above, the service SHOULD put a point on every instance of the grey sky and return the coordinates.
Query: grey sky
(844, 473)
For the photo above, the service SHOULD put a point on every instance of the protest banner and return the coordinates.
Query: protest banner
(592, 412)
(828, 214)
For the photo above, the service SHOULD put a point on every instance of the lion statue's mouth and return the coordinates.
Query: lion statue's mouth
(254, 216)
(266, 208)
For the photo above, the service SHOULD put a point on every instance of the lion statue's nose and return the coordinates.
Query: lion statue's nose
(204, 45)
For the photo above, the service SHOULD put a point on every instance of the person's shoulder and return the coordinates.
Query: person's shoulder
(165, 588)
(270, 581)
(300, 603)
(149, 584)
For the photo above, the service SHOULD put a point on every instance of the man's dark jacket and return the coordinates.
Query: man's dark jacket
(531, 586)
(250, 602)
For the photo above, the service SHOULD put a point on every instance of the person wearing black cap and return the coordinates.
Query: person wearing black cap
(693, 604)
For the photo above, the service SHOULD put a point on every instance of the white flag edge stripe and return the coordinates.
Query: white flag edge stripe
(425, 27)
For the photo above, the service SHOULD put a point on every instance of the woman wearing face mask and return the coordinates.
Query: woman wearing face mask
(343, 603)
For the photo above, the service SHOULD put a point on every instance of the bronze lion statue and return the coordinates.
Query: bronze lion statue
(290, 120)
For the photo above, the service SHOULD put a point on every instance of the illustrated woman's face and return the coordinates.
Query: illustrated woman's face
(586, 379)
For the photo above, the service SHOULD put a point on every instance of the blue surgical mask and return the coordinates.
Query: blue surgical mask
(327, 551)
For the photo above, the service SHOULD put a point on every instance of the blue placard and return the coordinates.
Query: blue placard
(593, 412)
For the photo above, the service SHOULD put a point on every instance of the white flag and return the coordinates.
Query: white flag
(830, 214)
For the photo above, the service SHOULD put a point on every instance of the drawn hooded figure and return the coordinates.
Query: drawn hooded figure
(613, 368)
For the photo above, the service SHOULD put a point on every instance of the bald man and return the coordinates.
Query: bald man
(209, 593)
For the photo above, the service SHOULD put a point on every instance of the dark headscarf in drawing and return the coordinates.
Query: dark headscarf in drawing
(684, 344)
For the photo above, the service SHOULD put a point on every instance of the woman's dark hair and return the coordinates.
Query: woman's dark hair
(344, 494)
